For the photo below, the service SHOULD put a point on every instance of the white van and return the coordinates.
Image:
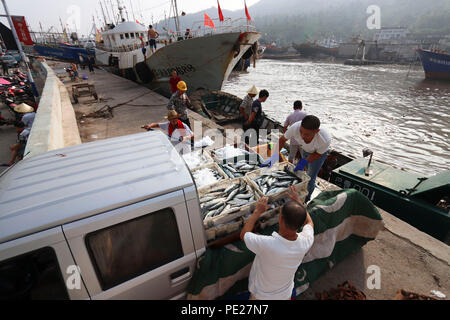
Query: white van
(112, 219)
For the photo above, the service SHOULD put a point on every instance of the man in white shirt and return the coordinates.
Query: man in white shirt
(278, 256)
(296, 116)
(315, 143)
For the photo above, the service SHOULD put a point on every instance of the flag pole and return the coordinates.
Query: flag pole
(19, 46)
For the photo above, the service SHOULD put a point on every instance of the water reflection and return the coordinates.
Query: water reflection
(403, 118)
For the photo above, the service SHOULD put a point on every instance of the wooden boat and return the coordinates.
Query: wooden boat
(422, 202)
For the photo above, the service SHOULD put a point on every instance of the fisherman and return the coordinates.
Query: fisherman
(296, 116)
(152, 36)
(173, 81)
(257, 115)
(278, 256)
(246, 106)
(179, 101)
(188, 34)
(177, 131)
(82, 62)
(144, 50)
(91, 62)
(28, 114)
(75, 70)
(315, 144)
(18, 149)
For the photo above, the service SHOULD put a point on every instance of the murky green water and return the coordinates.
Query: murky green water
(404, 120)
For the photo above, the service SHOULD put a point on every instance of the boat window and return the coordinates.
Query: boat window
(142, 35)
(137, 34)
(132, 35)
(32, 276)
(149, 242)
(121, 36)
(127, 35)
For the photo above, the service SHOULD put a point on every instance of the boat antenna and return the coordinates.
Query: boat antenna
(132, 10)
(103, 11)
(120, 11)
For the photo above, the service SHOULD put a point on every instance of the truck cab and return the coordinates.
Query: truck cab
(112, 219)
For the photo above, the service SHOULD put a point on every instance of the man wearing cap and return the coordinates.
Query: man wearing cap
(176, 130)
(179, 102)
(28, 114)
(246, 106)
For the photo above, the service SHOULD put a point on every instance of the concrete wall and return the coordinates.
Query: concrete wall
(55, 125)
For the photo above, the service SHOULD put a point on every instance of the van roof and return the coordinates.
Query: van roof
(69, 184)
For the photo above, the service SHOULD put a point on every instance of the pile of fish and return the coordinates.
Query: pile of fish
(226, 200)
(196, 159)
(240, 168)
(276, 181)
(206, 176)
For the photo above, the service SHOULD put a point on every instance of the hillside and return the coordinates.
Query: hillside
(296, 21)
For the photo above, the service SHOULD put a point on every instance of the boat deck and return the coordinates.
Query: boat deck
(408, 259)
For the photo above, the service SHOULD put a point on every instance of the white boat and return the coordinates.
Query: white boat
(204, 60)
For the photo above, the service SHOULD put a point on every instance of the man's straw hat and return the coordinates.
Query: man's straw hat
(23, 108)
(253, 90)
(172, 114)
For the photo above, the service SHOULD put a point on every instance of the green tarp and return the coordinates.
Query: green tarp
(344, 221)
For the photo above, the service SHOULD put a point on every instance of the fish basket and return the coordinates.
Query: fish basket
(227, 217)
(204, 154)
(301, 187)
(213, 166)
(215, 233)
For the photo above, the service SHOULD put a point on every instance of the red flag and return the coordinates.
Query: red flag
(137, 21)
(209, 22)
(246, 12)
(22, 31)
(220, 12)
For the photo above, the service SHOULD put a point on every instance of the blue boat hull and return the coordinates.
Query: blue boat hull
(435, 65)
(63, 52)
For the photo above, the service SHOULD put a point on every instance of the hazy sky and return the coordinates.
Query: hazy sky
(80, 12)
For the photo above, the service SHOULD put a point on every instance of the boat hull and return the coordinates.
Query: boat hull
(435, 65)
(62, 52)
(203, 63)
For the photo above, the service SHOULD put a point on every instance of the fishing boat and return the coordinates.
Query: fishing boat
(435, 64)
(308, 49)
(422, 202)
(205, 59)
(64, 51)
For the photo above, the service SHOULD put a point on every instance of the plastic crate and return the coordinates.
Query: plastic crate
(301, 187)
(205, 154)
(213, 166)
(213, 222)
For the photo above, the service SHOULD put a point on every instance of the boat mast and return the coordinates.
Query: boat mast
(132, 10)
(176, 17)
(120, 11)
(104, 16)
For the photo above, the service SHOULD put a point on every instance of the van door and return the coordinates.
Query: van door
(39, 267)
(140, 251)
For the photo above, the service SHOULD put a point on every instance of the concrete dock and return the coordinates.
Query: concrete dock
(408, 259)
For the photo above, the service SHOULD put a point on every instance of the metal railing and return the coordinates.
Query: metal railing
(198, 30)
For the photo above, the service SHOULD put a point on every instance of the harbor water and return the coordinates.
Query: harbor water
(391, 109)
